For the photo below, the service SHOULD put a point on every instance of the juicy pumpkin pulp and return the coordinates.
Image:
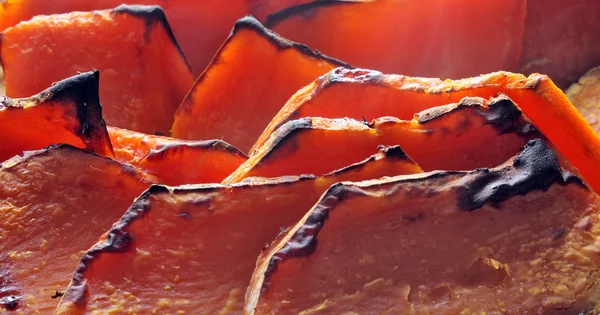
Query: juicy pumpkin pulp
(518, 239)
(144, 74)
(473, 133)
(68, 112)
(193, 237)
(54, 204)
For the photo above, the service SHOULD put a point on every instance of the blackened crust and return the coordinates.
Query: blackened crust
(306, 9)
(285, 135)
(152, 14)
(250, 23)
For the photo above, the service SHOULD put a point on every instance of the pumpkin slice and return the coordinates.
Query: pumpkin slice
(68, 112)
(193, 248)
(54, 204)
(262, 8)
(174, 161)
(517, 239)
(561, 43)
(460, 136)
(236, 107)
(433, 38)
(585, 95)
(144, 74)
(372, 94)
(188, 18)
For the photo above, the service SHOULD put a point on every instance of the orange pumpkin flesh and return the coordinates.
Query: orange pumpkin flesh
(174, 161)
(517, 239)
(432, 38)
(235, 106)
(68, 112)
(144, 74)
(585, 95)
(262, 8)
(461, 136)
(54, 204)
(193, 248)
(373, 94)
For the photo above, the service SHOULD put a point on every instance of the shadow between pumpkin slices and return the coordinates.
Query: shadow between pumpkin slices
(473, 133)
(520, 238)
(68, 112)
(54, 204)
(585, 95)
(174, 161)
(433, 38)
(370, 94)
(144, 74)
(252, 76)
(174, 244)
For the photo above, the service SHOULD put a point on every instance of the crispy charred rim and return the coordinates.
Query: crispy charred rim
(152, 14)
(301, 9)
(81, 89)
(180, 146)
(286, 132)
(389, 152)
(535, 168)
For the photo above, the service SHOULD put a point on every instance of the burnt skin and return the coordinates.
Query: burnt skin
(306, 10)
(285, 135)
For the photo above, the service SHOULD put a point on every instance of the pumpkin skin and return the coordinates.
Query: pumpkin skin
(174, 161)
(473, 133)
(54, 204)
(540, 100)
(519, 239)
(428, 38)
(144, 78)
(235, 105)
(175, 244)
(68, 112)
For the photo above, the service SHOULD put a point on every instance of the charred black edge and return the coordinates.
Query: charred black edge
(391, 152)
(277, 17)
(537, 173)
(83, 90)
(285, 133)
(251, 23)
(437, 112)
(168, 149)
(152, 14)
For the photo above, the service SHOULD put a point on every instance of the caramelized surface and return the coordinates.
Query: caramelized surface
(428, 38)
(373, 95)
(144, 74)
(585, 95)
(68, 112)
(193, 249)
(174, 161)
(55, 204)
(252, 76)
(460, 136)
(518, 239)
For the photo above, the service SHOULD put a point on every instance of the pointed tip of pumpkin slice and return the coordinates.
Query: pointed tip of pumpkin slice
(67, 112)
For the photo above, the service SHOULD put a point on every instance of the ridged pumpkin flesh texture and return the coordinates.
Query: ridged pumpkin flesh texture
(372, 94)
(144, 74)
(431, 38)
(174, 161)
(463, 136)
(585, 95)
(188, 18)
(562, 44)
(194, 248)
(517, 239)
(235, 106)
(54, 204)
(68, 112)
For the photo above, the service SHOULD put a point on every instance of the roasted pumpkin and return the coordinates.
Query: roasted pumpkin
(236, 106)
(54, 204)
(262, 8)
(585, 95)
(67, 112)
(144, 74)
(460, 136)
(373, 94)
(193, 248)
(428, 38)
(174, 161)
(518, 239)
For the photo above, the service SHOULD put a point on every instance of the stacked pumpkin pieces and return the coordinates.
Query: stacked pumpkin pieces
(314, 187)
